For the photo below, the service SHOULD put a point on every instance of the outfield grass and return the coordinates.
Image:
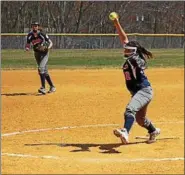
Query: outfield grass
(75, 58)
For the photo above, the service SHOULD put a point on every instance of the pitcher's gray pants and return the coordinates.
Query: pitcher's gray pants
(137, 107)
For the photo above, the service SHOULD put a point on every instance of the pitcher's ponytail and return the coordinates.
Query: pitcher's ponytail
(143, 53)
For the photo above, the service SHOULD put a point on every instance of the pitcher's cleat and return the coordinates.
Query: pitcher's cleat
(122, 134)
(52, 89)
(42, 90)
(153, 136)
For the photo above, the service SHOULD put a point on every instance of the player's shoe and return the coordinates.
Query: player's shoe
(122, 134)
(52, 89)
(153, 136)
(42, 90)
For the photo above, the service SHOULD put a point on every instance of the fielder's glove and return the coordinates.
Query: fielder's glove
(42, 48)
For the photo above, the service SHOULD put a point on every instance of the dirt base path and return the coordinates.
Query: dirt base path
(70, 131)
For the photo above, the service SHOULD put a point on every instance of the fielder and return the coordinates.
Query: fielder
(41, 45)
(138, 85)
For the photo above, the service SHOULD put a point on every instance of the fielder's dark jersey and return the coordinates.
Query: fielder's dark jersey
(36, 39)
(133, 69)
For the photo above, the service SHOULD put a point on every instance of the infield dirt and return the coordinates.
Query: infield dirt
(92, 102)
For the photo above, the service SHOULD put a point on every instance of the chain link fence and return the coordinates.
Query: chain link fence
(95, 42)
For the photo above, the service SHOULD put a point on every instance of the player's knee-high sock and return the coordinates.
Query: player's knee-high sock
(48, 79)
(149, 126)
(42, 78)
(129, 121)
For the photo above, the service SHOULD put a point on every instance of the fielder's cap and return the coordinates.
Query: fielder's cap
(35, 23)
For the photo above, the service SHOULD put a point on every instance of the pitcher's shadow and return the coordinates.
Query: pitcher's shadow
(108, 148)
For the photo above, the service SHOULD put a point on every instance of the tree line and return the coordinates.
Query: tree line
(92, 16)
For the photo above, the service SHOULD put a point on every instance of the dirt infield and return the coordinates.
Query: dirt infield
(70, 131)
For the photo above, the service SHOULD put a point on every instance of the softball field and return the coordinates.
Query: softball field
(70, 131)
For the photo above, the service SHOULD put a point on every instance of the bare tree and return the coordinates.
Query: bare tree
(92, 16)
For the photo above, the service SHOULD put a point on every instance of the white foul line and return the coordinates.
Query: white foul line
(95, 160)
(58, 128)
(73, 127)
(29, 156)
(133, 160)
(84, 159)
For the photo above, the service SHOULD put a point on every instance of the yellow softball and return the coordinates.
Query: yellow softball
(113, 16)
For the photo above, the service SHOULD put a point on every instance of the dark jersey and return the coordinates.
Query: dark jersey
(133, 69)
(37, 39)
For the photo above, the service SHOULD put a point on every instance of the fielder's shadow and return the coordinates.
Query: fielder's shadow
(82, 147)
(21, 94)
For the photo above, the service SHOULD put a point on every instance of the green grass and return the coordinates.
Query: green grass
(76, 58)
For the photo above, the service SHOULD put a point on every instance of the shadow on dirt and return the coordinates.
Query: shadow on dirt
(105, 148)
(21, 94)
